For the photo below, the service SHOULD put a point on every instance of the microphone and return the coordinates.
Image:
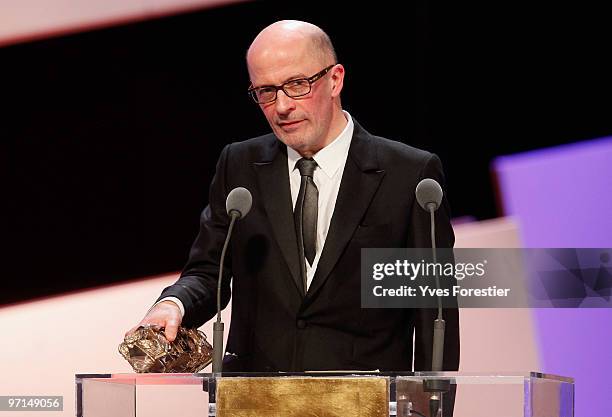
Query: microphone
(238, 204)
(429, 196)
(428, 192)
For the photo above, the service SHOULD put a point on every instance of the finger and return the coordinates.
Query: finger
(171, 329)
(145, 321)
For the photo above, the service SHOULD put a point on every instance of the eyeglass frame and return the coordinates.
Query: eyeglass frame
(311, 80)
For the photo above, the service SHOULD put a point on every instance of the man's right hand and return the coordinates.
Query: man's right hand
(165, 314)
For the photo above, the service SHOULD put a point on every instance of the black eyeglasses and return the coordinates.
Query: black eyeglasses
(293, 88)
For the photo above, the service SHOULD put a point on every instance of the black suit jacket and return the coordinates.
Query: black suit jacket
(274, 326)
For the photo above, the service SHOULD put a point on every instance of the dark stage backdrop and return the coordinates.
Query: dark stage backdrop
(110, 137)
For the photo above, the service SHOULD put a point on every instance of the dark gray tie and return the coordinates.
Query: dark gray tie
(305, 213)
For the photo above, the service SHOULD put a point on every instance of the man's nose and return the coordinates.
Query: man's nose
(284, 104)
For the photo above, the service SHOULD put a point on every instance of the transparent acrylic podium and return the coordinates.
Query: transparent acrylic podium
(323, 395)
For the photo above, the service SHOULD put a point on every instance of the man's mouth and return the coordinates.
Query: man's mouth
(290, 123)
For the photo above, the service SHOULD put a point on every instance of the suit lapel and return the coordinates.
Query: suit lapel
(273, 180)
(360, 180)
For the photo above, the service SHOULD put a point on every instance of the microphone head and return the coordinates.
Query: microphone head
(429, 191)
(239, 200)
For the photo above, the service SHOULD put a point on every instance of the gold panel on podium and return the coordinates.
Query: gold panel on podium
(299, 397)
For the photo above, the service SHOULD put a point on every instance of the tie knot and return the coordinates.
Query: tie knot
(306, 166)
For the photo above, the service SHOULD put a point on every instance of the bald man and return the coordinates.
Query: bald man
(323, 188)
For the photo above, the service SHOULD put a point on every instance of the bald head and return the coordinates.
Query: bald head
(285, 36)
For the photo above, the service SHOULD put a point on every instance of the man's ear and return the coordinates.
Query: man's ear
(337, 79)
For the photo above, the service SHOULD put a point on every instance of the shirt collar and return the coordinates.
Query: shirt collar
(333, 156)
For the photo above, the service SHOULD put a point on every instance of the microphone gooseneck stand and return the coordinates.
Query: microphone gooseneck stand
(436, 386)
(218, 326)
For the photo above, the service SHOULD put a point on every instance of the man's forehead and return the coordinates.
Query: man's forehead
(279, 66)
(278, 75)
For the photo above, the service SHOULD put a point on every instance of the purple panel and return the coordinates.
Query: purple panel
(562, 197)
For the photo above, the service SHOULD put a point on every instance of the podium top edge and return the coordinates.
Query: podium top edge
(447, 374)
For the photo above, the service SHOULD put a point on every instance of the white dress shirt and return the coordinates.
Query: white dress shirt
(327, 177)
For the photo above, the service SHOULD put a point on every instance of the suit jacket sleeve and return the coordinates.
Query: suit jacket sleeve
(197, 285)
(420, 237)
